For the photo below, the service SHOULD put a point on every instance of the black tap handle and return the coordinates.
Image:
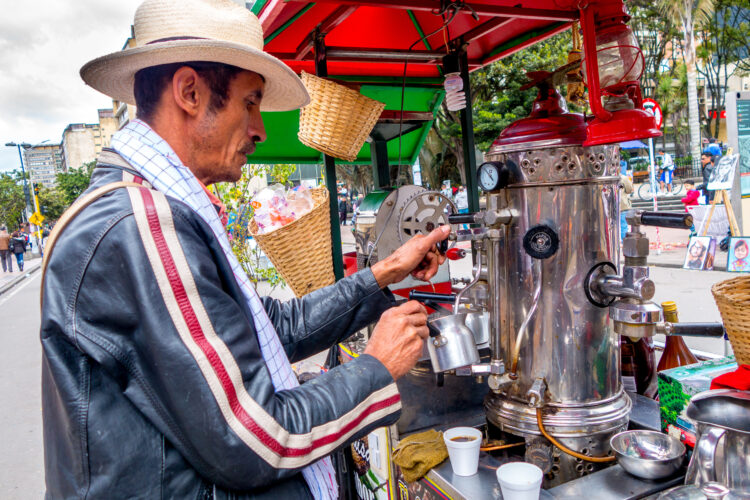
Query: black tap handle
(445, 298)
(667, 219)
(461, 218)
(434, 332)
(442, 246)
(698, 329)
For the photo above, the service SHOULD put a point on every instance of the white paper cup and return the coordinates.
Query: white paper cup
(520, 481)
(463, 453)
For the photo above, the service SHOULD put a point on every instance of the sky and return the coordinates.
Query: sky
(43, 44)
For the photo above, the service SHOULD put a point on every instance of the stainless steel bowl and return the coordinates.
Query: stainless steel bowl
(648, 454)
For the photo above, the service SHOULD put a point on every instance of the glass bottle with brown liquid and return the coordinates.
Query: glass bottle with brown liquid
(638, 365)
(676, 352)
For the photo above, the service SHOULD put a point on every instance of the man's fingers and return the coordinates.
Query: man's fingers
(430, 240)
(423, 332)
(412, 307)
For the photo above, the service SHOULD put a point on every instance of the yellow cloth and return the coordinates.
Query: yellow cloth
(418, 453)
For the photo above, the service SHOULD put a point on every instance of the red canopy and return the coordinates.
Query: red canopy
(371, 37)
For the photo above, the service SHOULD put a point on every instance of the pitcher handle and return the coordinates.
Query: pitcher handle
(704, 455)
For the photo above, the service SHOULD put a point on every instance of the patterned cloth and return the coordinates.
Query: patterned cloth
(155, 160)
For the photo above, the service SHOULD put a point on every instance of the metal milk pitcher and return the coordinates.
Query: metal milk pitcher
(722, 449)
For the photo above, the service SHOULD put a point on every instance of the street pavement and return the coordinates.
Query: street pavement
(21, 459)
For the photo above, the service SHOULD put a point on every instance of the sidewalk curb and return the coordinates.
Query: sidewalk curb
(679, 266)
(18, 279)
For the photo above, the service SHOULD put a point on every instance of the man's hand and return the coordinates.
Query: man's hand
(398, 337)
(418, 256)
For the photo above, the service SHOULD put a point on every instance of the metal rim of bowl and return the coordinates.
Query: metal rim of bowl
(681, 446)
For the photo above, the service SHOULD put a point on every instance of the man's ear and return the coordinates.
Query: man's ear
(188, 90)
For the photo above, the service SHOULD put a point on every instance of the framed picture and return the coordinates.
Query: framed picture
(697, 252)
(722, 175)
(710, 254)
(739, 251)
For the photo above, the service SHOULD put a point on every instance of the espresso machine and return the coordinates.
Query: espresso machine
(546, 284)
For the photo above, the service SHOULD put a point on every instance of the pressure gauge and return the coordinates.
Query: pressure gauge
(489, 174)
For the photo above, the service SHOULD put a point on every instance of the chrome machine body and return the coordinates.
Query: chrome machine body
(560, 351)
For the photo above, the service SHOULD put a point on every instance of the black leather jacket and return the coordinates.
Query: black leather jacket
(153, 381)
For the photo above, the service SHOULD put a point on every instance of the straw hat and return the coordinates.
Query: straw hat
(172, 31)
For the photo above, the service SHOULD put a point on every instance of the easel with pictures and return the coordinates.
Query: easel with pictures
(722, 196)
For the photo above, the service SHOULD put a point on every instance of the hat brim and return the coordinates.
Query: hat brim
(114, 74)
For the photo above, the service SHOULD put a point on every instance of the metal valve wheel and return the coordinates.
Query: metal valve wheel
(422, 213)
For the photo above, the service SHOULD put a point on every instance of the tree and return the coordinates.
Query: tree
(74, 182)
(493, 110)
(724, 43)
(12, 202)
(52, 203)
(654, 34)
(671, 93)
(687, 14)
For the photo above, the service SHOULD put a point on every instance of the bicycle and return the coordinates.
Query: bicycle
(645, 192)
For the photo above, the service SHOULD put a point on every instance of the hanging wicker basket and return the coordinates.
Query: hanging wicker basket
(301, 250)
(338, 119)
(733, 299)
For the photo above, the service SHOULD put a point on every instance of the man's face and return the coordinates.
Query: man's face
(704, 160)
(225, 137)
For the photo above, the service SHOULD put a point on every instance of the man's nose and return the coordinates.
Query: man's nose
(257, 130)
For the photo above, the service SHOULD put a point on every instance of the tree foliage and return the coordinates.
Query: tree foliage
(74, 182)
(12, 201)
(723, 50)
(497, 101)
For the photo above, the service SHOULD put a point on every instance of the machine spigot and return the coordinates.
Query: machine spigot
(498, 382)
(536, 393)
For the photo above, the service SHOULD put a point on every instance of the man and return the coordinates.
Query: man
(713, 149)
(342, 209)
(6, 256)
(164, 374)
(446, 190)
(666, 169)
(707, 168)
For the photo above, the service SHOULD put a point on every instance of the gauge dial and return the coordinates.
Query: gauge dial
(489, 175)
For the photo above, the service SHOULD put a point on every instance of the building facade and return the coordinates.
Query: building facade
(79, 146)
(43, 162)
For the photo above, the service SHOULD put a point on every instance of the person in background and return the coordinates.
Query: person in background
(707, 167)
(692, 195)
(626, 185)
(713, 149)
(18, 246)
(5, 251)
(690, 199)
(462, 200)
(446, 191)
(666, 171)
(342, 209)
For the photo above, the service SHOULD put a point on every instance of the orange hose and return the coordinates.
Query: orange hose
(501, 446)
(564, 448)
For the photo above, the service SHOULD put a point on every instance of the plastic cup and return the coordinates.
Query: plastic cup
(520, 481)
(463, 449)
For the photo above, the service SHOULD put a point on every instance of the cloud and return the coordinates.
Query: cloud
(43, 44)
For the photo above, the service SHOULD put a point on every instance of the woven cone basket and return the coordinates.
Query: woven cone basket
(301, 250)
(338, 119)
(733, 299)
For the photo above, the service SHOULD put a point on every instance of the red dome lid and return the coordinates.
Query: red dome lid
(548, 125)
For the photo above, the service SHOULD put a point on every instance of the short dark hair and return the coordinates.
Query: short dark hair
(150, 82)
(707, 155)
(689, 183)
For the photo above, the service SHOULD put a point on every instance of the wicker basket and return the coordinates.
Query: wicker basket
(301, 250)
(733, 298)
(338, 119)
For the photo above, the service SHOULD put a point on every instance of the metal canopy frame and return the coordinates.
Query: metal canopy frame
(494, 30)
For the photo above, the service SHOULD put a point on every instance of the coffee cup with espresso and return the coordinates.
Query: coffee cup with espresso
(463, 449)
